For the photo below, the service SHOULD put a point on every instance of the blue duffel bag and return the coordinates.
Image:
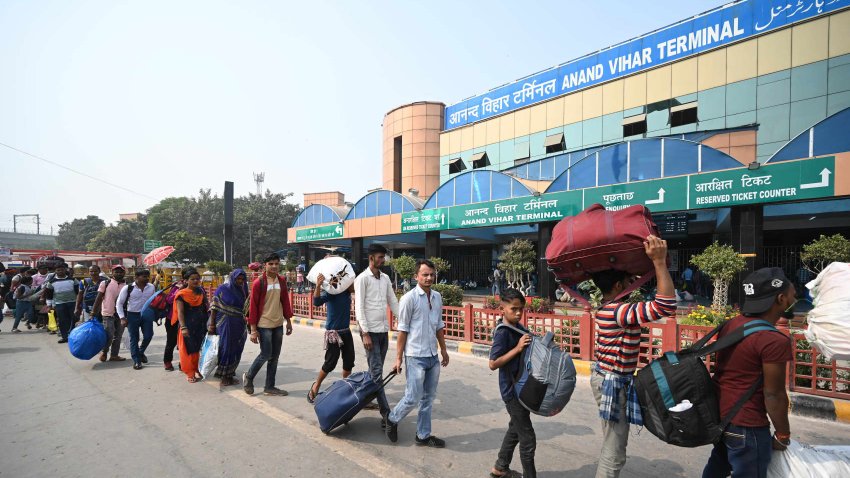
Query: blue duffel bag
(87, 340)
(340, 402)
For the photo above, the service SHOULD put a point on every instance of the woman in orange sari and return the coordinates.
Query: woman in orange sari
(191, 311)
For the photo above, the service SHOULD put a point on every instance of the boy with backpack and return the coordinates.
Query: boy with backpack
(505, 356)
(618, 326)
(88, 294)
(745, 446)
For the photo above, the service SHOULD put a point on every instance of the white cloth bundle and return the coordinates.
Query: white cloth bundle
(339, 275)
(803, 461)
(829, 320)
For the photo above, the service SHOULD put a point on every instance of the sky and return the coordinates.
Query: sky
(163, 98)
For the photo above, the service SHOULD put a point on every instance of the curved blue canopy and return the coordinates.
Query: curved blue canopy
(828, 136)
(641, 159)
(382, 202)
(317, 214)
(476, 186)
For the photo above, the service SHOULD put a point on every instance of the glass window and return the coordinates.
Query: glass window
(371, 201)
(407, 206)
(559, 184)
(809, 81)
(612, 164)
(831, 136)
(384, 203)
(573, 136)
(547, 169)
(327, 215)
(612, 127)
(680, 157)
(501, 187)
(775, 93)
(536, 142)
(645, 160)
(396, 200)
(774, 123)
(713, 160)
(461, 188)
(445, 195)
(562, 162)
(521, 171)
(592, 131)
(839, 78)
(480, 187)
(583, 173)
(657, 116)
(807, 113)
(741, 96)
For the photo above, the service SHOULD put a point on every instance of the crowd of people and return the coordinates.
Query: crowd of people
(262, 313)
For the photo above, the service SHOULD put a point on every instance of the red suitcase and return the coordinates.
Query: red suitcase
(597, 239)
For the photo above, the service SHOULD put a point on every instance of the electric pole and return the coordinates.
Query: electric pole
(37, 222)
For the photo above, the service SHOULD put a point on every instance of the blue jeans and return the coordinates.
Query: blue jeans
(65, 317)
(422, 375)
(271, 342)
(743, 451)
(134, 323)
(24, 308)
(375, 358)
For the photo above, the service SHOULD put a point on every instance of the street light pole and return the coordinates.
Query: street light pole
(250, 243)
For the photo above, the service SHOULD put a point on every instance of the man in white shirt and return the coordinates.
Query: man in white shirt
(129, 305)
(373, 292)
(420, 330)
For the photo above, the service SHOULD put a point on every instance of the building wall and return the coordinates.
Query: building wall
(418, 125)
(332, 198)
(784, 81)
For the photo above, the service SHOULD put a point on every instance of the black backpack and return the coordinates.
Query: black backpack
(674, 377)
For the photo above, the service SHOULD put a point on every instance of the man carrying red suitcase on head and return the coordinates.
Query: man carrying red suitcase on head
(618, 327)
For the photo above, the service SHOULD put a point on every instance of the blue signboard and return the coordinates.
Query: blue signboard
(723, 25)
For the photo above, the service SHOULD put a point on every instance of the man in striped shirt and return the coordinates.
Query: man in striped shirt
(618, 327)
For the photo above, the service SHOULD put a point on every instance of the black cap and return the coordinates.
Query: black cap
(761, 288)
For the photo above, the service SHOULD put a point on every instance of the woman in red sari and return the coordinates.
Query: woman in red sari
(191, 310)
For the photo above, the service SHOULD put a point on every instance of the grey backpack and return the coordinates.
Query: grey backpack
(546, 377)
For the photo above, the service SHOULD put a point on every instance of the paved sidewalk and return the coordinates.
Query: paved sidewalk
(65, 417)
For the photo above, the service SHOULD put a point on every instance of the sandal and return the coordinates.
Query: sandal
(198, 376)
(311, 395)
(191, 379)
(507, 474)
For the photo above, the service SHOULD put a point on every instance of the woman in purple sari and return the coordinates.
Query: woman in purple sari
(227, 306)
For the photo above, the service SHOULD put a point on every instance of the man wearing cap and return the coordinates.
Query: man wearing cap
(104, 306)
(746, 445)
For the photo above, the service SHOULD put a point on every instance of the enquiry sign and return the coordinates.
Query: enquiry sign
(334, 231)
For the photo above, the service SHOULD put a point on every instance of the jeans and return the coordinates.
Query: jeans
(615, 435)
(271, 341)
(134, 323)
(24, 308)
(743, 451)
(65, 318)
(375, 358)
(114, 333)
(171, 332)
(422, 375)
(519, 431)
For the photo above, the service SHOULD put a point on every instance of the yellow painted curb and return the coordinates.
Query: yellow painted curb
(842, 411)
(582, 367)
(464, 347)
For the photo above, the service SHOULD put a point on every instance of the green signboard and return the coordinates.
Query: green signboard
(333, 231)
(785, 181)
(668, 194)
(427, 220)
(150, 245)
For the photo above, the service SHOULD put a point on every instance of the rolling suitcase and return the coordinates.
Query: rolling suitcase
(339, 403)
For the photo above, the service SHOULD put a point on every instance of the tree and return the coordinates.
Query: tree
(190, 248)
(403, 265)
(260, 225)
(219, 268)
(440, 265)
(824, 250)
(200, 216)
(518, 261)
(125, 236)
(75, 235)
(722, 263)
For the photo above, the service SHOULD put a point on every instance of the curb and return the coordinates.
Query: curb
(824, 408)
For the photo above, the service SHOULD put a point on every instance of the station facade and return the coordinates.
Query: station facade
(732, 125)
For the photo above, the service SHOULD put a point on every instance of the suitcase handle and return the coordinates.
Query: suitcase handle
(387, 379)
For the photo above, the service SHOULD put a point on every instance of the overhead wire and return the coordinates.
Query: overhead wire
(77, 172)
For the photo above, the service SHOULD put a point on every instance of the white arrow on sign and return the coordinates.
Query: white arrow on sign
(338, 230)
(443, 218)
(660, 199)
(824, 181)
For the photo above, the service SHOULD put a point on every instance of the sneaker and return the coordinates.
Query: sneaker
(247, 384)
(169, 367)
(392, 430)
(385, 418)
(143, 358)
(431, 441)
(16, 331)
(29, 327)
(62, 341)
(137, 366)
(274, 391)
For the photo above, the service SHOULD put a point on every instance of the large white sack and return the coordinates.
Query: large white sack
(333, 267)
(829, 320)
(803, 461)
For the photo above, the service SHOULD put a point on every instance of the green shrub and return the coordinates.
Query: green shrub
(219, 268)
(452, 294)
(540, 306)
(491, 303)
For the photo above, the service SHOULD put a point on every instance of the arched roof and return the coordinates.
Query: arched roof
(476, 186)
(641, 159)
(829, 136)
(319, 214)
(383, 202)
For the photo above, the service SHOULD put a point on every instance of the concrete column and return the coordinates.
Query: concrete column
(747, 238)
(357, 256)
(546, 285)
(432, 244)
